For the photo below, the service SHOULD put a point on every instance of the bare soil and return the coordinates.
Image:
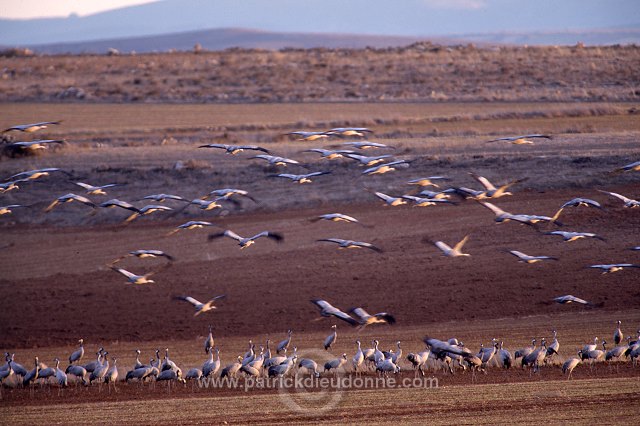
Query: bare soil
(78, 294)
(54, 266)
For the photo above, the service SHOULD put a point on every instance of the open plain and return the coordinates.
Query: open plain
(59, 288)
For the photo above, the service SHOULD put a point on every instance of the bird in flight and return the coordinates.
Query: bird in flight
(33, 127)
(581, 202)
(150, 253)
(440, 348)
(386, 167)
(146, 210)
(427, 181)
(96, 190)
(389, 200)
(35, 174)
(201, 307)
(67, 198)
(300, 178)
(490, 190)
(572, 236)
(563, 300)
(349, 131)
(308, 136)
(521, 140)
(133, 278)
(435, 195)
(192, 224)
(143, 254)
(162, 197)
(204, 204)
(530, 259)
(500, 215)
(527, 219)
(234, 149)
(227, 193)
(246, 242)
(628, 202)
(330, 154)
(8, 209)
(615, 267)
(367, 145)
(117, 203)
(336, 217)
(351, 244)
(328, 310)
(426, 201)
(367, 161)
(10, 186)
(466, 193)
(275, 160)
(35, 145)
(366, 319)
(632, 167)
(456, 251)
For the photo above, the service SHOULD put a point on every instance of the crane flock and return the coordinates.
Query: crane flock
(448, 355)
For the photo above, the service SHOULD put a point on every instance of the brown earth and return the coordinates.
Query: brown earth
(53, 265)
(79, 295)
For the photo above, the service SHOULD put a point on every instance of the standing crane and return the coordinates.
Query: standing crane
(284, 345)
(331, 338)
(77, 355)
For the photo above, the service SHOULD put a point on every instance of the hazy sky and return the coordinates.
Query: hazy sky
(47, 8)
(59, 8)
(380, 17)
(25, 9)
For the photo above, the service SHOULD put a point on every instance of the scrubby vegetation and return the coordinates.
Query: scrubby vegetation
(420, 72)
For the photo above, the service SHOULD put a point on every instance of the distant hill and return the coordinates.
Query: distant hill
(597, 37)
(220, 39)
(406, 18)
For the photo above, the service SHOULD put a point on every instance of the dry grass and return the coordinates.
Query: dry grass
(415, 73)
(560, 401)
